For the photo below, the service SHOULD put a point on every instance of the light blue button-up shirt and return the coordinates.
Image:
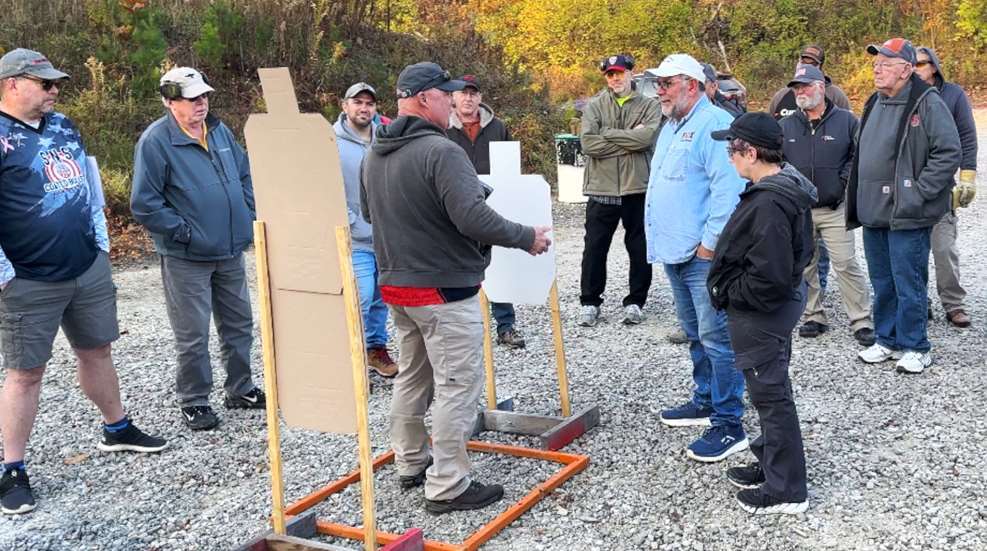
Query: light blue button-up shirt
(692, 188)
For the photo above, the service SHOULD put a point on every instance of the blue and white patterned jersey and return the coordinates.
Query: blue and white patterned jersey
(50, 231)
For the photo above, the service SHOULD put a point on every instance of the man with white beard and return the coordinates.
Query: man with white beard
(819, 140)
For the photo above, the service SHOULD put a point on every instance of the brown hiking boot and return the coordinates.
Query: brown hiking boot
(958, 317)
(381, 362)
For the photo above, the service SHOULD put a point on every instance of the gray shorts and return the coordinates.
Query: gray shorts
(31, 312)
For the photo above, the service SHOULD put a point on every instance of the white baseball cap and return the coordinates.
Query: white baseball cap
(192, 82)
(680, 64)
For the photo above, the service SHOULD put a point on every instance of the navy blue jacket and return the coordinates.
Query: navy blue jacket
(824, 154)
(197, 204)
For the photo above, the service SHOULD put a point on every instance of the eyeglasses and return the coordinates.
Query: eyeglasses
(808, 61)
(666, 83)
(882, 65)
(46, 85)
(922, 63)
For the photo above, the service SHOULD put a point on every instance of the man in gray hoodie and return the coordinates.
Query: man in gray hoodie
(354, 135)
(432, 233)
(944, 250)
(900, 186)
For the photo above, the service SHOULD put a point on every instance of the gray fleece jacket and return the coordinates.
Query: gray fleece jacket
(352, 149)
(926, 157)
(431, 223)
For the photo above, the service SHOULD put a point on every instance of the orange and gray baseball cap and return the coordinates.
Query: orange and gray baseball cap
(894, 47)
(28, 62)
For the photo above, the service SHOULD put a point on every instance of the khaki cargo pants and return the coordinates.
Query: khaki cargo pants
(440, 364)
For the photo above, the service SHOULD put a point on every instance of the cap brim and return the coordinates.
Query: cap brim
(452, 85)
(47, 74)
(361, 91)
(721, 135)
(795, 81)
(874, 49)
(620, 68)
(196, 90)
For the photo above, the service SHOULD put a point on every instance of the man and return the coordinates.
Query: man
(756, 277)
(355, 129)
(193, 193)
(944, 250)
(900, 186)
(432, 235)
(617, 136)
(819, 140)
(783, 102)
(472, 125)
(715, 96)
(691, 194)
(54, 269)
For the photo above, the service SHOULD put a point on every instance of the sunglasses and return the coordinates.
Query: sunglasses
(46, 85)
(922, 63)
(667, 83)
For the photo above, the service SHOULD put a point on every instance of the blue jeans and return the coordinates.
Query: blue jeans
(373, 307)
(503, 312)
(898, 265)
(719, 385)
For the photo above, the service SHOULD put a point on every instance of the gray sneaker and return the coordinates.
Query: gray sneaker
(633, 314)
(589, 315)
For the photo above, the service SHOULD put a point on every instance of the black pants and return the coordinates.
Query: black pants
(762, 344)
(601, 223)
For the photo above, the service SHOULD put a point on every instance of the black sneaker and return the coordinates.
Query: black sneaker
(812, 329)
(477, 496)
(746, 477)
(756, 502)
(131, 439)
(511, 338)
(199, 417)
(413, 481)
(255, 399)
(865, 336)
(15, 493)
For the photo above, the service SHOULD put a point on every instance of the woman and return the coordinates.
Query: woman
(756, 277)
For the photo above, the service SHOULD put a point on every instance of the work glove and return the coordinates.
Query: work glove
(965, 190)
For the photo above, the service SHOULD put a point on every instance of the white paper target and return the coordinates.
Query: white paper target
(515, 276)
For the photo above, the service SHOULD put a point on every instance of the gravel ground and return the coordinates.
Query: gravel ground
(894, 462)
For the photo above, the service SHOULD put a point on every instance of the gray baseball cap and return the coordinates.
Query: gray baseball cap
(28, 62)
(425, 76)
(806, 74)
(358, 88)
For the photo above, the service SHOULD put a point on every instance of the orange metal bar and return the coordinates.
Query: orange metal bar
(316, 497)
(574, 463)
(353, 533)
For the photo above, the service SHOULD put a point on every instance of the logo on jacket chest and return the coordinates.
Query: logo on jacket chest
(687, 136)
(916, 120)
(62, 170)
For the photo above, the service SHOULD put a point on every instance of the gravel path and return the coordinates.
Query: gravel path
(894, 462)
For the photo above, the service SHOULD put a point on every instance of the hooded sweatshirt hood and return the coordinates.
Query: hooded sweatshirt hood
(402, 131)
(939, 76)
(789, 183)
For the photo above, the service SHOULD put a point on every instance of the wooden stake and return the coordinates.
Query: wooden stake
(488, 352)
(361, 385)
(270, 376)
(560, 365)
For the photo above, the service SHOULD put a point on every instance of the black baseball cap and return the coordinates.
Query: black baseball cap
(425, 76)
(760, 129)
(619, 62)
(471, 81)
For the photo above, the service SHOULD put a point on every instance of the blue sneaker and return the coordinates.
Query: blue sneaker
(686, 415)
(718, 443)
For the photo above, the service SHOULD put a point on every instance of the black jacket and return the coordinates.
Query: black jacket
(824, 154)
(765, 246)
(492, 129)
(727, 105)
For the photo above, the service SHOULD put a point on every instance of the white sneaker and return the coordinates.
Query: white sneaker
(877, 353)
(913, 362)
(589, 315)
(633, 314)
